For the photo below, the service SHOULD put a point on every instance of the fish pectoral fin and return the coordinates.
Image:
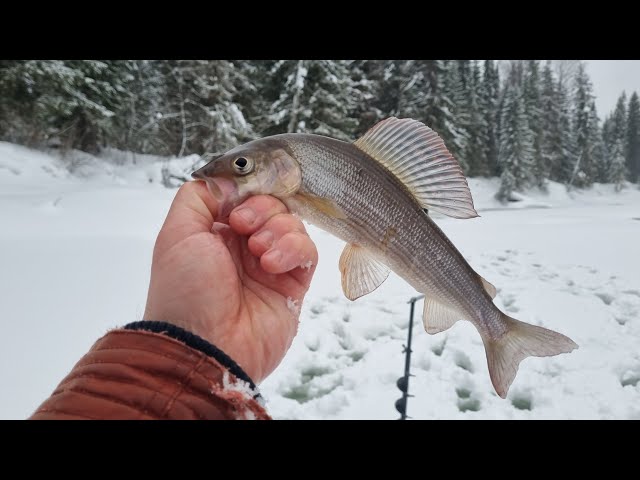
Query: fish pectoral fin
(418, 157)
(325, 205)
(361, 272)
(438, 317)
(488, 287)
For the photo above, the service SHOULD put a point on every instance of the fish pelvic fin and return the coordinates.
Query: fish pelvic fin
(361, 272)
(521, 340)
(438, 317)
(418, 157)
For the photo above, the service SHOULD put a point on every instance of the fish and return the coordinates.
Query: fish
(377, 194)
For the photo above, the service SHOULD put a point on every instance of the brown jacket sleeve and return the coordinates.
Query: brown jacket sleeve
(138, 374)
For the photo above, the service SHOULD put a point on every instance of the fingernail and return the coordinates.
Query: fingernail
(247, 214)
(265, 238)
(274, 256)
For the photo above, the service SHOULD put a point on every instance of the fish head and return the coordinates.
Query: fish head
(265, 166)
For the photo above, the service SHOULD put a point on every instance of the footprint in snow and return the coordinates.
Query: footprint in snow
(467, 400)
(317, 309)
(631, 376)
(605, 297)
(522, 400)
(438, 348)
(462, 360)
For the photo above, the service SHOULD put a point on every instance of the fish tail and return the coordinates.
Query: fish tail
(521, 340)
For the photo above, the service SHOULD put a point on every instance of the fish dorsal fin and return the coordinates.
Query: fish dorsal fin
(438, 317)
(361, 272)
(488, 287)
(418, 157)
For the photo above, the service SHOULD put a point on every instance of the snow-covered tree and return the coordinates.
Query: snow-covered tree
(135, 124)
(489, 92)
(563, 162)
(633, 138)
(316, 96)
(532, 105)
(200, 113)
(516, 142)
(71, 100)
(607, 146)
(452, 86)
(619, 119)
(614, 131)
(182, 107)
(474, 153)
(585, 131)
(365, 81)
(553, 135)
(617, 165)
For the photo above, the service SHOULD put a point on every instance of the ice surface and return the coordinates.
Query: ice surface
(75, 251)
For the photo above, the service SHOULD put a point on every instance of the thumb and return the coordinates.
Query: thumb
(192, 211)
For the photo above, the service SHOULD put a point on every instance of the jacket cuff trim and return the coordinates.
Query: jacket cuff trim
(197, 343)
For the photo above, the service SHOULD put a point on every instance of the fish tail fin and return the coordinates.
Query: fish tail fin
(521, 340)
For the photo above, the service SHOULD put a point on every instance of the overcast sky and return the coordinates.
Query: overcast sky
(610, 78)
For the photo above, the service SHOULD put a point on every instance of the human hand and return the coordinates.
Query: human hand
(238, 285)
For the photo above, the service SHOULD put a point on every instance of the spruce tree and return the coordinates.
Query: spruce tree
(532, 104)
(553, 136)
(474, 153)
(516, 141)
(366, 82)
(72, 101)
(413, 90)
(316, 96)
(453, 92)
(617, 166)
(633, 138)
(200, 113)
(562, 168)
(439, 107)
(136, 122)
(607, 146)
(584, 131)
(619, 119)
(489, 92)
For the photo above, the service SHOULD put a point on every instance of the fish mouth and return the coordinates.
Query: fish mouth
(225, 192)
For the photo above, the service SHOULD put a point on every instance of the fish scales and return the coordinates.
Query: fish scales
(420, 253)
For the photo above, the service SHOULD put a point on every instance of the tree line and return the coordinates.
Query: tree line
(524, 121)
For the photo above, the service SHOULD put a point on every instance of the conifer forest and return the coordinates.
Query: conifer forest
(524, 121)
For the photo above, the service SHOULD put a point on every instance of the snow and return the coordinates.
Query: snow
(293, 305)
(75, 251)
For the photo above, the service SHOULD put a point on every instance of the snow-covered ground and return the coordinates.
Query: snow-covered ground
(75, 252)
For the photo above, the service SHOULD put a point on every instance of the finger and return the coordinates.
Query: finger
(254, 212)
(273, 230)
(192, 211)
(293, 250)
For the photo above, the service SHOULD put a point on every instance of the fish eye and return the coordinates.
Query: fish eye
(242, 165)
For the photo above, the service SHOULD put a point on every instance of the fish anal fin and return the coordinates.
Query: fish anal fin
(488, 287)
(438, 317)
(520, 341)
(418, 157)
(361, 272)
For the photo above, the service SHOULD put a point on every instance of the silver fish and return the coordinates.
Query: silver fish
(374, 194)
